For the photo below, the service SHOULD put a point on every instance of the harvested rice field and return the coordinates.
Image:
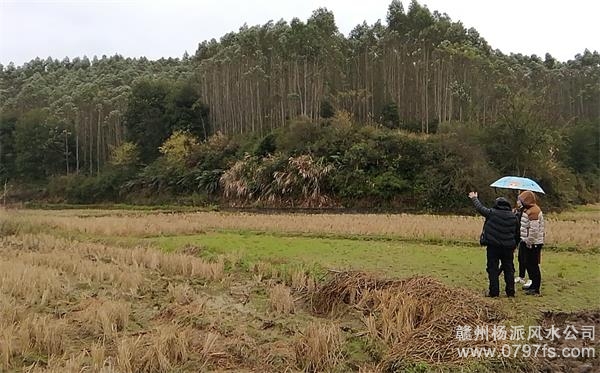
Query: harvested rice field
(130, 291)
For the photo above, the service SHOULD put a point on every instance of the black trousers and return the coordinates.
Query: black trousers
(521, 257)
(532, 260)
(497, 256)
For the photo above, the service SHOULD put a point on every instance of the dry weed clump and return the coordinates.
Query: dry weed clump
(127, 348)
(161, 350)
(281, 299)
(166, 347)
(181, 294)
(302, 281)
(264, 270)
(44, 334)
(415, 317)
(319, 348)
(104, 317)
(98, 356)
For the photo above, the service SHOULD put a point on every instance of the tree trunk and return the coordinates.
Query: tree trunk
(66, 150)
(98, 133)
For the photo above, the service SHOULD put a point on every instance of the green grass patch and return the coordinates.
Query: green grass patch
(570, 280)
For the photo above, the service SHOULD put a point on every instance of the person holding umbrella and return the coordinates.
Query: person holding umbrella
(521, 256)
(500, 234)
(532, 238)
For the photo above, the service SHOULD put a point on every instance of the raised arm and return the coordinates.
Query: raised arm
(479, 206)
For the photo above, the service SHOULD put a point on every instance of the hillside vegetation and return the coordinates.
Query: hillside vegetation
(409, 113)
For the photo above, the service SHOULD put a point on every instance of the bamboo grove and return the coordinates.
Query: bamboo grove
(418, 71)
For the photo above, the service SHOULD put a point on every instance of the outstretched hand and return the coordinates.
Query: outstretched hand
(472, 195)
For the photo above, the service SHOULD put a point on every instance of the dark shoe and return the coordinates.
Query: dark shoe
(510, 295)
(492, 296)
(532, 292)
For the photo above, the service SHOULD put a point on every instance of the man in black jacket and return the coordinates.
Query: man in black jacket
(500, 234)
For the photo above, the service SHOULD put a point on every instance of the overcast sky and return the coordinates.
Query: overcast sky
(155, 29)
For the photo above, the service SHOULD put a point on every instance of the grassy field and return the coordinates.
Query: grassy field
(571, 280)
(144, 291)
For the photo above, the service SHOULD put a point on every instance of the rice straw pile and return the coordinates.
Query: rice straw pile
(416, 318)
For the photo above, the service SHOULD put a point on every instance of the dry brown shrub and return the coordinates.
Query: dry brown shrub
(281, 299)
(319, 347)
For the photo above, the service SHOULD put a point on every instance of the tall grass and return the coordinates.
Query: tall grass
(281, 299)
(560, 231)
(319, 348)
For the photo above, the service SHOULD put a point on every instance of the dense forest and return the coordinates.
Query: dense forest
(409, 113)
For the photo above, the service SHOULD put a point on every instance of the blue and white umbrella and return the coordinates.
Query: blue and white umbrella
(516, 182)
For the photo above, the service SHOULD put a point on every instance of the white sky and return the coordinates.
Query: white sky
(155, 28)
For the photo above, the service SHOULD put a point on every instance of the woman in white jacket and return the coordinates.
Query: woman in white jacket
(532, 237)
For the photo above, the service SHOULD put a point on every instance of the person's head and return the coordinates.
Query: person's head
(527, 198)
(502, 203)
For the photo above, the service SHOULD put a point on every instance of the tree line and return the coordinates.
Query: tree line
(426, 108)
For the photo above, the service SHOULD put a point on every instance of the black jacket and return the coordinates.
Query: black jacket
(501, 228)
